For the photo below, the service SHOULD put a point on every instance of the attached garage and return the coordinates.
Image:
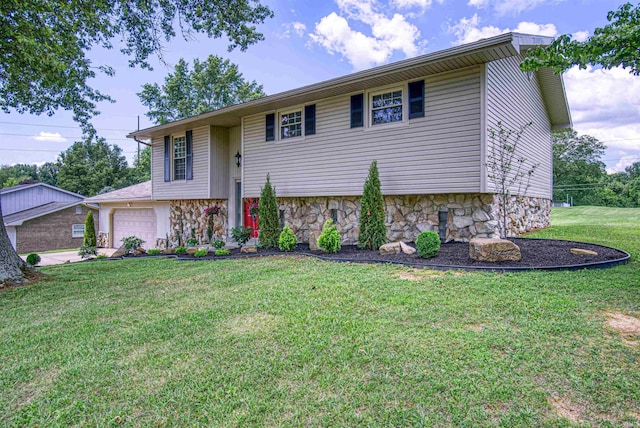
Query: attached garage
(134, 222)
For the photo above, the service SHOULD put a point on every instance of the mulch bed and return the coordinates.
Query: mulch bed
(536, 253)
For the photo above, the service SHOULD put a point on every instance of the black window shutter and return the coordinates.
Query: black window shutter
(167, 158)
(416, 99)
(357, 102)
(189, 167)
(270, 127)
(310, 120)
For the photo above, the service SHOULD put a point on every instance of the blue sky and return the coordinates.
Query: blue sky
(308, 42)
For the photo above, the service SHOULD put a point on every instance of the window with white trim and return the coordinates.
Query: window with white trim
(179, 158)
(77, 230)
(291, 124)
(386, 107)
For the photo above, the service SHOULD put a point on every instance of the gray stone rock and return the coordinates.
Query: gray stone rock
(407, 249)
(120, 252)
(493, 250)
(390, 248)
(313, 240)
(461, 222)
(581, 252)
(249, 249)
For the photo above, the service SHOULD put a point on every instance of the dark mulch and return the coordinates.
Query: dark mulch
(536, 253)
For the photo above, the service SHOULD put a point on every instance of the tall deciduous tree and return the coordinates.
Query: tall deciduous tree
(43, 47)
(373, 231)
(614, 45)
(88, 166)
(212, 84)
(268, 212)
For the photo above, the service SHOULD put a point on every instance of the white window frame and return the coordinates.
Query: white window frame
(281, 127)
(182, 138)
(75, 230)
(381, 91)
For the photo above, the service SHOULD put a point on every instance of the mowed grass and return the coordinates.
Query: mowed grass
(294, 341)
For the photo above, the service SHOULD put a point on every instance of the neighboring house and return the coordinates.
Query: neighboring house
(41, 217)
(425, 120)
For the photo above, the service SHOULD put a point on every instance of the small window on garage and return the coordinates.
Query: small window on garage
(77, 231)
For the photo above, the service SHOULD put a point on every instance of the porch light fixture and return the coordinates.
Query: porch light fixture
(238, 158)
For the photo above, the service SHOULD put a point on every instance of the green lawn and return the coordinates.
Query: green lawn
(284, 341)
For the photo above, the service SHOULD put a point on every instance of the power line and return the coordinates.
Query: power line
(61, 126)
(62, 136)
(46, 151)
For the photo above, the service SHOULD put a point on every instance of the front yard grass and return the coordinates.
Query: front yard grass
(295, 341)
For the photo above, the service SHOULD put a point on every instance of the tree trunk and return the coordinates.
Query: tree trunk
(12, 267)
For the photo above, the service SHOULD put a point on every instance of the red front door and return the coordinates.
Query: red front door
(251, 220)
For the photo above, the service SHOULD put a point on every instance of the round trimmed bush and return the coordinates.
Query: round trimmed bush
(33, 259)
(428, 244)
(287, 240)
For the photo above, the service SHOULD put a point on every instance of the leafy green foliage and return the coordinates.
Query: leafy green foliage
(192, 242)
(89, 239)
(91, 165)
(201, 252)
(33, 259)
(614, 45)
(287, 240)
(87, 250)
(268, 221)
(373, 232)
(211, 85)
(153, 252)
(132, 243)
(428, 244)
(44, 63)
(241, 234)
(330, 240)
(222, 252)
(181, 250)
(217, 244)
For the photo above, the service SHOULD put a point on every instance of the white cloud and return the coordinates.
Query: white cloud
(50, 137)
(407, 4)
(468, 30)
(580, 36)
(507, 7)
(388, 34)
(625, 161)
(480, 4)
(298, 28)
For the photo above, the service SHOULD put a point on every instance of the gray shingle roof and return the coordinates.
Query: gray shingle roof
(136, 192)
(16, 219)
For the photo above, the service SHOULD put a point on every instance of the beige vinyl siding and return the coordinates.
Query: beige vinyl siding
(198, 188)
(439, 153)
(219, 163)
(515, 99)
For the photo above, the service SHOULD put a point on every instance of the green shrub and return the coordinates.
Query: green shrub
(192, 242)
(181, 250)
(241, 234)
(101, 256)
(217, 244)
(287, 240)
(153, 252)
(89, 232)
(86, 251)
(222, 252)
(201, 252)
(329, 240)
(373, 231)
(428, 244)
(132, 243)
(268, 221)
(33, 259)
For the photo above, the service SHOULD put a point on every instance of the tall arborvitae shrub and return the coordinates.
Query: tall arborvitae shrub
(268, 221)
(373, 232)
(89, 232)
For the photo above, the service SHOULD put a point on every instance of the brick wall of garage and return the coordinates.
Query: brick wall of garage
(51, 232)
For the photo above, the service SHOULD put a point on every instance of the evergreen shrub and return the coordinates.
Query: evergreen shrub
(33, 259)
(428, 244)
(268, 222)
(287, 240)
(373, 231)
(329, 240)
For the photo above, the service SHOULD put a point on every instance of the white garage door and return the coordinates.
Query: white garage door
(140, 223)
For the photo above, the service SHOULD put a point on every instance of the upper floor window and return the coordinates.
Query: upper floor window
(291, 125)
(386, 107)
(179, 158)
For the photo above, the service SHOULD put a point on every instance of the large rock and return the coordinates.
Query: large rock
(493, 250)
(391, 248)
(249, 249)
(407, 249)
(313, 240)
(120, 252)
(583, 252)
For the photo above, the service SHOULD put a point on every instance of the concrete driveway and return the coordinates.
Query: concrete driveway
(48, 259)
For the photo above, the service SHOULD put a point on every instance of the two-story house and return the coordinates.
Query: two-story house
(425, 120)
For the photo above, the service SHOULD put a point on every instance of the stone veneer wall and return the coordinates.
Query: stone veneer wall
(187, 216)
(468, 215)
(102, 240)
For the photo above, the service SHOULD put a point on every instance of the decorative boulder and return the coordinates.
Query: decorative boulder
(169, 251)
(120, 252)
(249, 249)
(582, 252)
(407, 249)
(391, 248)
(191, 250)
(313, 240)
(493, 250)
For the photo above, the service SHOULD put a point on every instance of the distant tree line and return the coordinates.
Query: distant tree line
(88, 167)
(580, 177)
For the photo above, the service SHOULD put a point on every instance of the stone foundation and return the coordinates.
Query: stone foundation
(468, 215)
(187, 218)
(102, 240)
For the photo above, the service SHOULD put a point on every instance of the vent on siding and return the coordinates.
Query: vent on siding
(334, 216)
(442, 224)
(281, 219)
